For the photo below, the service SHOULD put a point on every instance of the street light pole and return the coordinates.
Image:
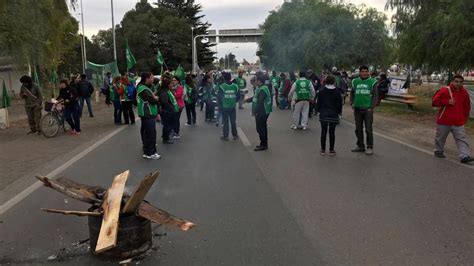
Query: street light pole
(84, 57)
(113, 29)
(192, 49)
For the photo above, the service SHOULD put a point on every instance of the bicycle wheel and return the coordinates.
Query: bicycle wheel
(49, 125)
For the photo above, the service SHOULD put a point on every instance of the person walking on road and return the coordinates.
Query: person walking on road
(242, 84)
(147, 108)
(115, 95)
(261, 109)
(106, 87)
(190, 100)
(31, 93)
(302, 92)
(329, 107)
(363, 100)
(178, 92)
(453, 114)
(228, 94)
(169, 108)
(70, 97)
(85, 90)
(274, 86)
(127, 100)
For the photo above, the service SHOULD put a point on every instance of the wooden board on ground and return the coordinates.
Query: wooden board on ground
(78, 194)
(111, 207)
(148, 211)
(77, 213)
(139, 192)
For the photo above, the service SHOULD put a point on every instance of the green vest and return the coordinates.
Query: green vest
(303, 90)
(173, 101)
(363, 92)
(275, 81)
(241, 83)
(188, 90)
(268, 100)
(230, 98)
(152, 108)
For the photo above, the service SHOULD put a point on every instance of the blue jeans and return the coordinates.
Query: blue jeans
(228, 116)
(117, 112)
(81, 105)
(71, 115)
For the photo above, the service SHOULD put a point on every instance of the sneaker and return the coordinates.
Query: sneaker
(235, 137)
(187, 124)
(224, 138)
(439, 154)
(176, 136)
(294, 127)
(369, 151)
(260, 148)
(304, 128)
(145, 156)
(467, 159)
(155, 156)
(332, 153)
(322, 152)
(358, 149)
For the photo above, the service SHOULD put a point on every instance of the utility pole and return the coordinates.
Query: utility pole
(84, 57)
(113, 29)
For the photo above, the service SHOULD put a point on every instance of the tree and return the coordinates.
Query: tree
(321, 34)
(437, 34)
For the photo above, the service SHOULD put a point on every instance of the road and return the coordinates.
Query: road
(284, 206)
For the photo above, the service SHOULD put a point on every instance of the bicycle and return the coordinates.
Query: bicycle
(53, 120)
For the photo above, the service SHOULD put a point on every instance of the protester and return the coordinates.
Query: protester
(329, 107)
(274, 86)
(283, 91)
(242, 83)
(303, 92)
(85, 90)
(106, 87)
(115, 94)
(178, 92)
(147, 108)
(261, 109)
(228, 95)
(190, 100)
(363, 99)
(127, 100)
(31, 93)
(382, 87)
(207, 92)
(70, 97)
(169, 108)
(455, 107)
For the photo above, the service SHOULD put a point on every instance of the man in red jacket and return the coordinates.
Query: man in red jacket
(455, 106)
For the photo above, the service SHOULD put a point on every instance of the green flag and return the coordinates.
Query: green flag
(130, 58)
(179, 73)
(159, 58)
(5, 98)
(35, 76)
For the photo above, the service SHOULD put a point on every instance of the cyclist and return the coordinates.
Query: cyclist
(71, 106)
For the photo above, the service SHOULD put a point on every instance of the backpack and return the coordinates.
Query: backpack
(131, 91)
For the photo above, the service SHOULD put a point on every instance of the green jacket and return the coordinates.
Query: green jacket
(33, 96)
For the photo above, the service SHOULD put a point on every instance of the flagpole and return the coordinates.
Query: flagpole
(84, 57)
(113, 30)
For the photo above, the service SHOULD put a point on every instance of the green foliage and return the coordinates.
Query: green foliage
(437, 34)
(320, 34)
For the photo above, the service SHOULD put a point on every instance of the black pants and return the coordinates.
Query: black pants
(148, 133)
(229, 116)
(167, 119)
(176, 121)
(191, 113)
(332, 134)
(364, 118)
(127, 109)
(209, 110)
(261, 123)
(72, 117)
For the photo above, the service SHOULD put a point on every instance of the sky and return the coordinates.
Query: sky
(222, 14)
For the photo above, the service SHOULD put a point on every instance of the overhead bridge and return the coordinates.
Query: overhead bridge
(235, 35)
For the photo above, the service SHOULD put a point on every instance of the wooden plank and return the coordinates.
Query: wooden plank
(139, 193)
(81, 195)
(147, 211)
(111, 208)
(77, 213)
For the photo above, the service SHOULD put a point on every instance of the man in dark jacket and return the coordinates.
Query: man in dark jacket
(33, 103)
(169, 108)
(85, 90)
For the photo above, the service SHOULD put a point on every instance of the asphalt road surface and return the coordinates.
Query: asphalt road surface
(284, 206)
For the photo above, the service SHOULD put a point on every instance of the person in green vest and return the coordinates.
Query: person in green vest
(261, 109)
(227, 96)
(242, 83)
(147, 108)
(302, 92)
(191, 96)
(363, 99)
(274, 86)
(33, 97)
(169, 107)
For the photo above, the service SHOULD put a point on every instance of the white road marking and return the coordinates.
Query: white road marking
(25, 193)
(413, 146)
(243, 137)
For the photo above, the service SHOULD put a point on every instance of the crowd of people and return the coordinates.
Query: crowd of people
(163, 100)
